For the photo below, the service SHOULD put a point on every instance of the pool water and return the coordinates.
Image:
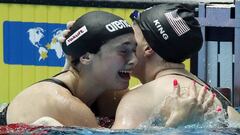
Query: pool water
(217, 125)
(182, 131)
(25, 129)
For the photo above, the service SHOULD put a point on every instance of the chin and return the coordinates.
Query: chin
(136, 74)
(122, 86)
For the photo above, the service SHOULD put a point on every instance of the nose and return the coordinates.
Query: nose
(133, 60)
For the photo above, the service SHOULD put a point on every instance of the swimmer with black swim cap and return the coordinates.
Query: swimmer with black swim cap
(101, 49)
(166, 34)
(87, 37)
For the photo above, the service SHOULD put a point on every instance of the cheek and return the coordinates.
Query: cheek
(138, 66)
(112, 63)
(139, 53)
(140, 58)
(113, 59)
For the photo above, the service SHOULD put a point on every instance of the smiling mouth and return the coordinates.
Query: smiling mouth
(125, 74)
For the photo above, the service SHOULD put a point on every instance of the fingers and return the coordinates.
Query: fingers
(66, 65)
(175, 119)
(209, 102)
(46, 121)
(202, 94)
(176, 88)
(65, 32)
(193, 91)
(218, 109)
(171, 122)
(70, 24)
(61, 39)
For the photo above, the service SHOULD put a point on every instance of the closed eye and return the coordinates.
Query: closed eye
(124, 51)
(127, 48)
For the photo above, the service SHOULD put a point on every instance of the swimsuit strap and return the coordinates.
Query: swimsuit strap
(57, 81)
(62, 72)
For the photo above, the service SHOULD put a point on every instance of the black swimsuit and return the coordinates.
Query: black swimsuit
(3, 113)
(3, 116)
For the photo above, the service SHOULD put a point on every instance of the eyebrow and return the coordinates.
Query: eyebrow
(127, 43)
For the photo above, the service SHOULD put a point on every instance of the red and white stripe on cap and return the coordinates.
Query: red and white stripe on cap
(76, 35)
(177, 23)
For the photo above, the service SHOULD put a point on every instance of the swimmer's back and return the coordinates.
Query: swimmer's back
(161, 87)
(138, 105)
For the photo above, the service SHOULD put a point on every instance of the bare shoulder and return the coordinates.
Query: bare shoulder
(48, 99)
(136, 99)
(72, 111)
(145, 93)
(135, 107)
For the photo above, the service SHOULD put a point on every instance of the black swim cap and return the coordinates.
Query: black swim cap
(171, 30)
(92, 30)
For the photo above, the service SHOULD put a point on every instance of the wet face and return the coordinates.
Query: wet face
(115, 61)
(141, 44)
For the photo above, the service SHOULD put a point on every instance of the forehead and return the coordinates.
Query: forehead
(123, 40)
(138, 33)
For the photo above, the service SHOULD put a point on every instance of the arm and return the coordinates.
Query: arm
(73, 112)
(81, 116)
(64, 109)
(233, 115)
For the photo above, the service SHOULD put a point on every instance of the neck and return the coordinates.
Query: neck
(172, 67)
(81, 86)
(88, 90)
(156, 67)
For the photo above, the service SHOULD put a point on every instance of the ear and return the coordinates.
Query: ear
(86, 58)
(148, 51)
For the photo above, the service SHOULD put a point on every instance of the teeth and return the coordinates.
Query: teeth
(126, 71)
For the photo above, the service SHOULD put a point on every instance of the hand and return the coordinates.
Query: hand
(177, 109)
(62, 39)
(46, 121)
(65, 32)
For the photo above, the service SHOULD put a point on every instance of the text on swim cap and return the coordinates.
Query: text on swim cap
(76, 35)
(160, 29)
(116, 25)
